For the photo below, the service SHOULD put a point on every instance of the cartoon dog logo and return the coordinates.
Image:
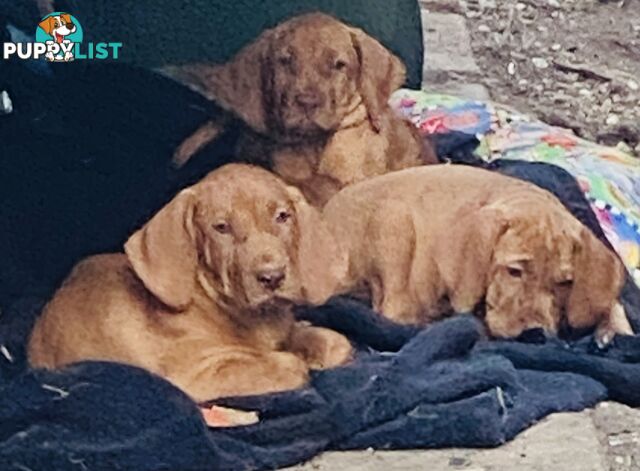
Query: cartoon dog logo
(59, 26)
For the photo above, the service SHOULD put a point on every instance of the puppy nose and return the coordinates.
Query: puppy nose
(309, 100)
(271, 279)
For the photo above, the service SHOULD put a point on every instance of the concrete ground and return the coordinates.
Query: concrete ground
(606, 438)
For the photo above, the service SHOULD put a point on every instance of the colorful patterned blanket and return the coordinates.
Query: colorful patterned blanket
(609, 177)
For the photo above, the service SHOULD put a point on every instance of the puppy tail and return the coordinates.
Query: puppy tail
(205, 134)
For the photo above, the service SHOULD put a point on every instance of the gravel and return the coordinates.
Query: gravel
(571, 63)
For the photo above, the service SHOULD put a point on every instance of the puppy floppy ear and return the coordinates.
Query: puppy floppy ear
(597, 281)
(47, 25)
(163, 252)
(322, 262)
(381, 73)
(471, 245)
(236, 86)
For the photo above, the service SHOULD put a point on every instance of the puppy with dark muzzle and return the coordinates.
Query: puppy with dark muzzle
(313, 93)
(202, 295)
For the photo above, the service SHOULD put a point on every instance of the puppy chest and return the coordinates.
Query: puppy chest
(354, 154)
(267, 332)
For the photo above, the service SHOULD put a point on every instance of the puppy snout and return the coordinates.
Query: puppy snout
(271, 279)
(309, 100)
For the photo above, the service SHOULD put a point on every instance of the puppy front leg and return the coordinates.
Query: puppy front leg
(393, 301)
(319, 347)
(242, 372)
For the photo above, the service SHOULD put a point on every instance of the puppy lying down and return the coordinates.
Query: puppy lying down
(427, 241)
(202, 294)
(313, 94)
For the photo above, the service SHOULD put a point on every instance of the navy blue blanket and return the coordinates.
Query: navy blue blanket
(443, 386)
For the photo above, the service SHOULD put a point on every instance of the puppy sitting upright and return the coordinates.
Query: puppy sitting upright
(202, 295)
(313, 93)
(431, 240)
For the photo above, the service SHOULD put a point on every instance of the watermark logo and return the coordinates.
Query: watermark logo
(60, 32)
(59, 38)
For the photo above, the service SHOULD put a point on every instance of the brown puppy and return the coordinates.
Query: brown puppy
(429, 240)
(201, 296)
(313, 93)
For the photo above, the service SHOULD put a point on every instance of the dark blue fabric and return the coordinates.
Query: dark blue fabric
(443, 386)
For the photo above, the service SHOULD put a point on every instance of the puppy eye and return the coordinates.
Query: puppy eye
(222, 227)
(515, 272)
(282, 217)
(340, 65)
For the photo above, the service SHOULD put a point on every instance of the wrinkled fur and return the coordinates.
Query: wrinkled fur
(429, 240)
(313, 93)
(185, 300)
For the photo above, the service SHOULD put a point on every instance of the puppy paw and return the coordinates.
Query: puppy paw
(322, 348)
(603, 337)
(616, 324)
(288, 371)
(336, 351)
